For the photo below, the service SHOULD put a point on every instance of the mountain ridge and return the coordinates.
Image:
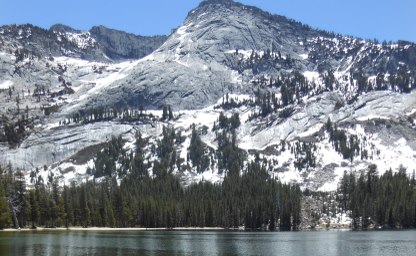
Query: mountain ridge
(62, 40)
(311, 104)
(209, 35)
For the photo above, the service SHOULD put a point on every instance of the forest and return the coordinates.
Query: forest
(387, 201)
(128, 195)
(125, 189)
(251, 199)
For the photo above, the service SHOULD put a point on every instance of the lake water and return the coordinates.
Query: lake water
(208, 243)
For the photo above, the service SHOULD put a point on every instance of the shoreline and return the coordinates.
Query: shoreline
(41, 229)
(139, 229)
(108, 229)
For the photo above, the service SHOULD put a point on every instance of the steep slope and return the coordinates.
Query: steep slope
(224, 46)
(99, 44)
(44, 43)
(193, 58)
(119, 45)
(311, 104)
(28, 53)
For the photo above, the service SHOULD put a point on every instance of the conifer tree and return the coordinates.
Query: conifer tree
(34, 208)
(196, 149)
(5, 216)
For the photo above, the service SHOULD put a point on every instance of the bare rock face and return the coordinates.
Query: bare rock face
(119, 45)
(190, 69)
(99, 44)
(222, 50)
(207, 55)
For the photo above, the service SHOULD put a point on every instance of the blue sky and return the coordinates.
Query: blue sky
(380, 19)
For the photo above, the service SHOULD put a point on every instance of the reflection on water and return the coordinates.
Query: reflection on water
(208, 243)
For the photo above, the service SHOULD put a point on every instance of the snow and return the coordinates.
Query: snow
(393, 46)
(327, 155)
(371, 117)
(209, 175)
(74, 62)
(6, 85)
(290, 177)
(304, 56)
(150, 57)
(93, 83)
(68, 172)
(51, 125)
(237, 98)
(394, 156)
(106, 81)
(327, 187)
(311, 131)
(245, 54)
(340, 218)
(236, 78)
(183, 37)
(259, 134)
(182, 32)
(203, 14)
(343, 219)
(202, 117)
(311, 75)
(411, 112)
(300, 125)
(184, 150)
(82, 40)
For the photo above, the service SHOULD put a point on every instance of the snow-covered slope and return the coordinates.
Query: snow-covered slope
(221, 48)
(385, 135)
(284, 80)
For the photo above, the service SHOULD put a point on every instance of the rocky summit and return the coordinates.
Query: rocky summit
(309, 104)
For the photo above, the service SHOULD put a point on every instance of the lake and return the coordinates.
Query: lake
(208, 243)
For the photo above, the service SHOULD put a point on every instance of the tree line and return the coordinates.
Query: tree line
(128, 190)
(252, 199)
(387, 201)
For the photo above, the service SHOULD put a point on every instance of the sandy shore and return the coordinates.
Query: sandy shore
(40, 229)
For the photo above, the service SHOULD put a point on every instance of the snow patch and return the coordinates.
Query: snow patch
(311, 75)
(82, 40)
(311, 131)
(371, 117)
(6, 85)
(411, 112)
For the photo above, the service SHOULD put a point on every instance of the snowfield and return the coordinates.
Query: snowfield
(6, 85)
(56, 145)
(218, 52)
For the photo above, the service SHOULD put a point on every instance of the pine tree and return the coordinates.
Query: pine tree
(5, 216)
(165, 114)
(328, 125)
(34, 208)
(67, 207)
(86, 218)
(196, 150)
(170, 113)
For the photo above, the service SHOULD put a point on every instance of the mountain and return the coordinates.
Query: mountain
(99, 44)
(308, 104)
(118, 45)
(199, 57)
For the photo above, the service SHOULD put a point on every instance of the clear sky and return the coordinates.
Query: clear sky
(380, 19)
